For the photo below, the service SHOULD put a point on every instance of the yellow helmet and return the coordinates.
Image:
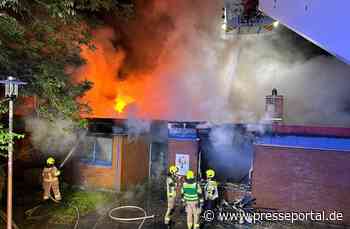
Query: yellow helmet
(189, 174)
(50, 161)
(173, 169)
(210, 173)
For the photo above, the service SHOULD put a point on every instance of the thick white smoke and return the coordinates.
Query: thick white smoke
(54, 138)
(315, 86)
(204, 77)
(137, 127)
(172, 60)
(229, 152)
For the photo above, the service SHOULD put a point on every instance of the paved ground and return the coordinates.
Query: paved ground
(154, 205)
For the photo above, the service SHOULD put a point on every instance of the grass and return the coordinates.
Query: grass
(85, 201)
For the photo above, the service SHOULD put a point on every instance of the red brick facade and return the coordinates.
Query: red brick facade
(301, 179)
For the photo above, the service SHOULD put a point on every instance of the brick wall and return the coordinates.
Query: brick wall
(301, 179)
(189, 147)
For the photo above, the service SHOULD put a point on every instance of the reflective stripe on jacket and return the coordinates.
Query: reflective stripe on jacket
(171, 186)
(191, 192)
(211, 190)
(50, 174)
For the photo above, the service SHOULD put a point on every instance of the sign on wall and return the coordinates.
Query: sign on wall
(183, 131)
(182, 161)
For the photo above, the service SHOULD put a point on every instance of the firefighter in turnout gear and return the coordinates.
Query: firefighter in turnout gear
(171, 186)
(211, 193)
(50, 180)
(191, 193)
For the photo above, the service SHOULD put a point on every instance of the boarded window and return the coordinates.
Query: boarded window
(97, 150)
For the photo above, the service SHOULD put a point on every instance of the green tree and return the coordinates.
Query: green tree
(39, 39)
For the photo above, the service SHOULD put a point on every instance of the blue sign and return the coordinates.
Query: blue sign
(182, 133)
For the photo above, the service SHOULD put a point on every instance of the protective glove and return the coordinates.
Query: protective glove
(57, 173)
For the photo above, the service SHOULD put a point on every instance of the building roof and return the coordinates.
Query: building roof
(306, 142)
(308, 137)
(340, 132)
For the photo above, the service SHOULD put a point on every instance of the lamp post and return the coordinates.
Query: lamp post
(11, 92)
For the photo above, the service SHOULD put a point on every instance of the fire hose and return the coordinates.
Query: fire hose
(120, 219)
(143, 218)
(126, 220)
(29, 213)
(82, 136)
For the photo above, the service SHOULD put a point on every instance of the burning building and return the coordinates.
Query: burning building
(160, 68)
(154, 78)
(110, 158)
(183, 147)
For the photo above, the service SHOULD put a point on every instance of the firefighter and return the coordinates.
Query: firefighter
(211, 193)
(50, 180)
(191, 194)
(171, 185)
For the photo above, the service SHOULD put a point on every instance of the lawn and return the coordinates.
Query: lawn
(81, 200)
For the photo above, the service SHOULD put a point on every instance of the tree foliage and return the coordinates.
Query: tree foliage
(40, 40)
(5, 136)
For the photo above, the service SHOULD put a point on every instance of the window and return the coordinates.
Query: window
(97, 150)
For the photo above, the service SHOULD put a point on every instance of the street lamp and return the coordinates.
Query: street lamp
(11, 92)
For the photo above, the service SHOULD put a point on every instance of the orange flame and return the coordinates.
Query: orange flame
(109, 97)
(121, 102)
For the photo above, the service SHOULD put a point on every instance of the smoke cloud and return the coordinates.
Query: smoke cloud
(307, 79)
(228, 151)
(51, 138)
(137, 127)
(173, 64)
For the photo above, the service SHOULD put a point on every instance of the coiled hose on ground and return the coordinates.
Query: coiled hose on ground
(29, 213)
(119, 219)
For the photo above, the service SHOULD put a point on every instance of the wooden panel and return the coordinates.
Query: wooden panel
(118, 149)
(134, 161)
(96, 176)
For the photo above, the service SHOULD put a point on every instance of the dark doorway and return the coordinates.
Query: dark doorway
(228, 150)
